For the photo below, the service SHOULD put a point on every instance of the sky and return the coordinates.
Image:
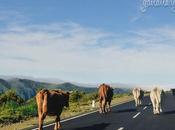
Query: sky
(90, 41)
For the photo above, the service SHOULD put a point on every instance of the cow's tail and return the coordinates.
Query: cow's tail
(157, 97)
(41, 99)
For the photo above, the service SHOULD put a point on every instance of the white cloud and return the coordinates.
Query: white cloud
(12, 17)
(74, 52)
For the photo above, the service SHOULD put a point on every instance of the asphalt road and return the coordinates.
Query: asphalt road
(127, 117)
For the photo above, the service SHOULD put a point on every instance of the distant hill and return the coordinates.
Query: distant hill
(69, 87)
(27, 89)
(24, 88)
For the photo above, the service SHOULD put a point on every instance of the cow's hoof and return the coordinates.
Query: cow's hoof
(58, 129)
(156, 113)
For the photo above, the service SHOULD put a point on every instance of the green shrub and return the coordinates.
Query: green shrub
(28, 110)
(12, 112)
(76, 96)
(10, 115)
(10, 95)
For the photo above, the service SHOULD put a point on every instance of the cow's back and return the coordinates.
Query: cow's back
(105, 92)
(109, 93)
(50, 101)
(102, 91)
(136, 92)
(155, 94)
(41, 99)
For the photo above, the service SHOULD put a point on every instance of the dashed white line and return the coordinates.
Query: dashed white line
(121, 128)
(136, 115)
(144, 107)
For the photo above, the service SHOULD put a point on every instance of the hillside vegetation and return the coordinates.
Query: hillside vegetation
(14, 109)
(27, 89)
(17, 99)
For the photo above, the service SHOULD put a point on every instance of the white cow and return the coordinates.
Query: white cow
(138, 94)
(155, 96)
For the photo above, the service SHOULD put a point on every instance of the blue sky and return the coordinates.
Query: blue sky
(88, 41)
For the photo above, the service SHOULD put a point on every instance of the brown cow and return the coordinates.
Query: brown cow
(51, 102)
(105, 93)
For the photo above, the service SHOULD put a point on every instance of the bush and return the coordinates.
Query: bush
(76, 96)
(10, 95)
(29, 109)
(10, 116)
(12, 112)
(90, 97)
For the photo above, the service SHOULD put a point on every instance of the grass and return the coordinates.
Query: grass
(74, 109)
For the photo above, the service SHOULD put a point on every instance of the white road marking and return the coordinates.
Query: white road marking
(121, 128)
(80, 115)
(136, 115)
(144, 107)
(67, 119)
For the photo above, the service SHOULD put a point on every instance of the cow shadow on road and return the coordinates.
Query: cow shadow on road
(125, 110)
(145, 105)
(168, 112)
(100, 126)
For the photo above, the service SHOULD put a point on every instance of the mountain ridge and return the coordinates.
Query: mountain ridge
(27, 88)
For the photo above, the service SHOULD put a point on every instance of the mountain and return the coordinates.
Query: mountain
(46, 80)
(27, 88)
(69, 87)
(24, 88)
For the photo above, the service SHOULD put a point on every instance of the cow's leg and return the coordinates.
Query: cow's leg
(39, 97)
(41, 120)
(154, 105)
(140, 102)
(160, 108)
(137, 103)
(160, 105)
(57, 123)
(109, 105)
(157, 108)
(103, 106)
(100, 105)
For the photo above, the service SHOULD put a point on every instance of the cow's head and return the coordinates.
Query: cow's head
(162, 92)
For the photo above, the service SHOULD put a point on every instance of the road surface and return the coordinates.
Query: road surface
(127, 117)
